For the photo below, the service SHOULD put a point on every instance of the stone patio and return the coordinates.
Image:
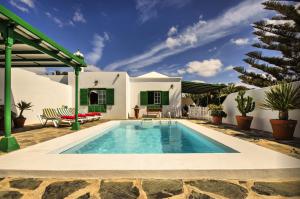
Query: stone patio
(262, 138)
(144, 189)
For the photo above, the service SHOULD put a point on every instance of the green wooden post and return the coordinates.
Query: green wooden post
(76, 125)
(8, 142)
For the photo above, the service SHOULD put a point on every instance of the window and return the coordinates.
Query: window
(97, 97)
(157, 97)
(102, 96)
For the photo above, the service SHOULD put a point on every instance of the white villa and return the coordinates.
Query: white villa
(115, 94)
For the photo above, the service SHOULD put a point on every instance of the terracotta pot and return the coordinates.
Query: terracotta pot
(244, 122)
(283, 129)
(136, 113)
(19, 122)
(216, 120)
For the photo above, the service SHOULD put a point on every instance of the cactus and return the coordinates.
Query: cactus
(245, 104)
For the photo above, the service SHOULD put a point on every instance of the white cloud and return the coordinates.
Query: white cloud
(228, 68)
(206, 68)
(181, 71)
(172, 43)
(98, 44)
(148, 8)
(92, 68)
(29, 3)
(240, 41)
(172, 31)
(56, 20)
(78, 16)
(17, 4)
(198, 81)
(196, 35)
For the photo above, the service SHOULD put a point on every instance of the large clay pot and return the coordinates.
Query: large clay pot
(136, 112)
(244, 122)
(283, 129)
(19, 122)
(217, 120)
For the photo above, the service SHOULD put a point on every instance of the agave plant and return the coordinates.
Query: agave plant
(282, 97)
(22, 106)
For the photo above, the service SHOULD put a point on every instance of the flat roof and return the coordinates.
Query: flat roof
(31, 47)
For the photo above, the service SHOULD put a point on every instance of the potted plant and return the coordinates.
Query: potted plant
(136, 111)
(245, 105)
(20, 120)
(282, 97)
(217, 113)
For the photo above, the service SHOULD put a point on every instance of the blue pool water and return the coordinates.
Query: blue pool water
(146, 138)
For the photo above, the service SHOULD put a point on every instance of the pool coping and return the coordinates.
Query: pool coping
(253, 161)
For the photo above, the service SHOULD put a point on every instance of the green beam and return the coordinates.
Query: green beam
(36, 66)
(29, 60)
(23, 52)
(76, 125)
(49, 52)
(18, 21)
(8, 142)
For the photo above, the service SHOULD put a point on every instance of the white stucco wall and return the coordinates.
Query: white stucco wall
(160, 84)
(39, 90)
(261, 118)
(105, 80)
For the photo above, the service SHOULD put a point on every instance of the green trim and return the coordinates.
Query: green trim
(165, 98)
(28, 60)
(13, 18)
(76, 125)
(110, 98)
(144, 98)
(84, 98)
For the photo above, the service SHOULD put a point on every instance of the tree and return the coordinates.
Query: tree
(279, 35)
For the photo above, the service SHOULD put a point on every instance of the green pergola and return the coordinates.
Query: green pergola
(199, 88)
(22, 45)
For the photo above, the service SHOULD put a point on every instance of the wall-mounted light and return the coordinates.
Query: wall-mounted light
(96, 82)
(172, 86)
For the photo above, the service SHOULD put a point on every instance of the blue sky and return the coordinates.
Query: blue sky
(198, 40)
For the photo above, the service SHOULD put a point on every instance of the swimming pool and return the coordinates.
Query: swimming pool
(151, 137)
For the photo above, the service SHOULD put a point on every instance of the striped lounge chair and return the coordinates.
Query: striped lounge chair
(50, 114)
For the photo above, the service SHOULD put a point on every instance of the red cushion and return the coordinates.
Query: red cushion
(95, 113)
(90, 114)
(68, 117)
(81, 115)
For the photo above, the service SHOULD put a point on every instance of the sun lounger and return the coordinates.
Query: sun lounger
(90, 115)
(65, 113)
(50, 114)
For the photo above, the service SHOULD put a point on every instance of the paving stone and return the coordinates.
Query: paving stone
(219, 187)
(118, 190)
(196, 195)
(25, 183)
(58, 190)
(10, 195)
(162, 188)
(288, 189)
(85, 196)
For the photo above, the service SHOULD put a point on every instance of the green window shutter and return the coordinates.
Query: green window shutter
(144, 98)
(110, 98)
(84, 97)
(165, 98)
(97, 108)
